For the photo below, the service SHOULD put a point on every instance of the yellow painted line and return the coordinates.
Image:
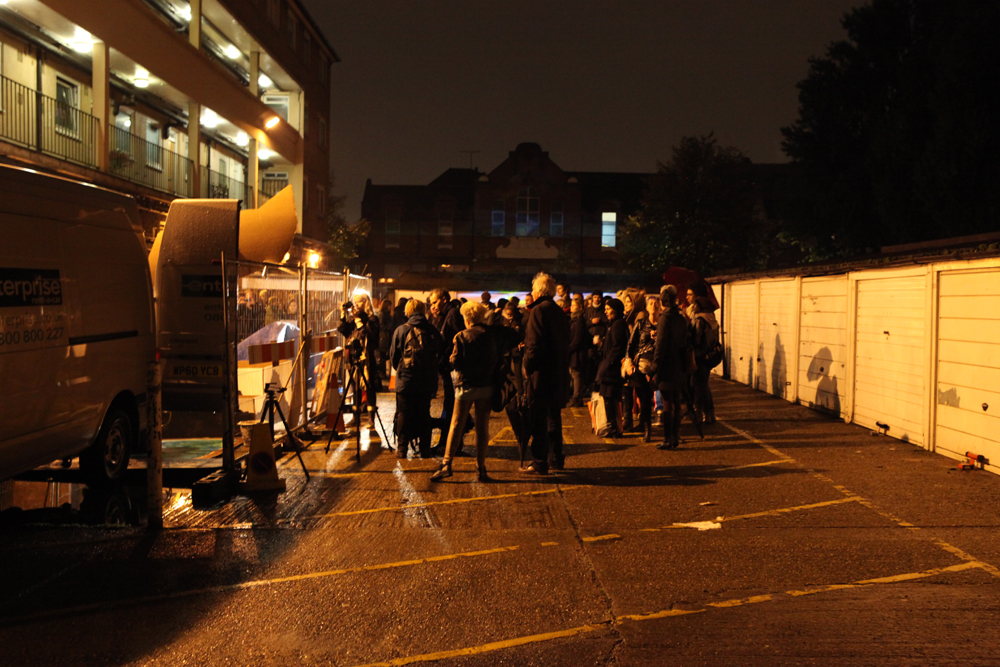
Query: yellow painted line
(601, 538)
(257, 583)
(496, 438)
(739, 602)
(454, 501)
(754, 440)
(967, 557)
(549, 544)
(785, 510)
(666, 613)
(486, 648)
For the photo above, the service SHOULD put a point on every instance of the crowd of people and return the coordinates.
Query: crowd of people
(630, 356)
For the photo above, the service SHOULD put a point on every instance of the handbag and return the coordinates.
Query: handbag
(647, 366)
(627, 367)
(504, 389)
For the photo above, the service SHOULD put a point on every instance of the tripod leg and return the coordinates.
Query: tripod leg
(340, 413)
(295, 441)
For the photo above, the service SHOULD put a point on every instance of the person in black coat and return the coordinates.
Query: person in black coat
(448, 320)
(546, 365)
(360, 328)
(579, 352)
(416, 379)
(609, 373)
(672, 341)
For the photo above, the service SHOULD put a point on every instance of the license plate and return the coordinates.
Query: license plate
(192, 369)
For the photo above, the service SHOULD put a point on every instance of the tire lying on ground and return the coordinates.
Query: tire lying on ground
(106, 461)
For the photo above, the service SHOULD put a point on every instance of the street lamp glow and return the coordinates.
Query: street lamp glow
(242, 139)
(264, 81)
(263, 154)
(232, 52)
(272, 121)
(186, 12)
(313, 260)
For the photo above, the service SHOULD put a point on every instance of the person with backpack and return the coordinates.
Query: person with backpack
(415, 354)
(708, 355)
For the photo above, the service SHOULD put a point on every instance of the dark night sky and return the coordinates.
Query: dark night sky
(602, 86)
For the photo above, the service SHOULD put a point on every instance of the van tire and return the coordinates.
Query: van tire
(106, 461)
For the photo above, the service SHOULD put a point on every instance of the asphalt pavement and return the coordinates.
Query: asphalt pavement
(784, 537)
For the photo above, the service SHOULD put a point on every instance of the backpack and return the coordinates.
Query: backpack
(713, 356)
(417, 353)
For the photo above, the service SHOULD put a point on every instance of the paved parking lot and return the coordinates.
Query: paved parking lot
(784, 537)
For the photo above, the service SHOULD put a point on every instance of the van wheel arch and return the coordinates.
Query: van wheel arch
(105, 462)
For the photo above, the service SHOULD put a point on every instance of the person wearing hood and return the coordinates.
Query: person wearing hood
(609, 373)
(704, 335)
(415, 354)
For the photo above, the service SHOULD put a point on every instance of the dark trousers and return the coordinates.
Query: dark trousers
(703, 400)
(444, 422)
(412, 423)
(546, 436)
(639, 387)
(578, 383)
(612, 394)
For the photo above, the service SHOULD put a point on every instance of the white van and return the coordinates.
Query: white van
(77, 328)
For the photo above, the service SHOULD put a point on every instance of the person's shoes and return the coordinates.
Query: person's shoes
(557, 465)
(627, 426)
(647, 435)
(709, 418)
(443, 473)
(401, 452)
(664, 445)
(484, 476)
(609, 432)
(530, 469)
(658, 421)
(575, 403)
(426, 454)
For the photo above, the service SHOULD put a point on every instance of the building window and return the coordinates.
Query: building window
(444, 229)
(527, 212)
(278, 104)
(321, 199)
(499, 221)
(609, 228)
(67, 103)
(274, 12)
(306, 47)
(392, 228)
(154, 147)
(292, 30)
(556, 219)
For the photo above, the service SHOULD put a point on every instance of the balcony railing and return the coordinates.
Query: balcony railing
(140, 161)
(44, 124)
(223, 187)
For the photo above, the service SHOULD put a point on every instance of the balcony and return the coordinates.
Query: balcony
(143, 162)
(223, 187)
(44, 124)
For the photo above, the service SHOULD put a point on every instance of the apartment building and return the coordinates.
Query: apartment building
(108, 91)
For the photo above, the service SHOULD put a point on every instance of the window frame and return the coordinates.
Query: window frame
(446, 228)
(528, 220)
(605, 220)
(556, 208)
(498, 220)
(72, 108)
(393, 231)
(154, 149)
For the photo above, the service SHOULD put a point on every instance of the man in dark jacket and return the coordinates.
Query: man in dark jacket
(448, 321)
(671, 376)
(415, 354)
(546, 364)
(609, 373)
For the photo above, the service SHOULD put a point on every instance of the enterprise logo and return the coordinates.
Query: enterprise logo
(201, 286)
(30, 287)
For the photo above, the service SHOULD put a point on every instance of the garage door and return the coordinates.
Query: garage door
(968, 364)
(776, 338)
(890, 368)
(823, 344)
(741, 306)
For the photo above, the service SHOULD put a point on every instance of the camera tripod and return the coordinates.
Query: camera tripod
(353, 373)
(272, 405)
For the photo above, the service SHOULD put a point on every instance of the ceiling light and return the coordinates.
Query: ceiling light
(242, 139)
(271, 122)
(263, 154)
(186, 13)
(141, 82)
(264, 81)
(313, 260)
(209, 119)
(232, 52)
(81, 45)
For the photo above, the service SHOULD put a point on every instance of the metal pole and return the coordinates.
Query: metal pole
(229, 383)
(154, 462)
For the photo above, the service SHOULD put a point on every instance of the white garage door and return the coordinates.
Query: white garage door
(890, 368)
(968, 364)
(776, 340)
(741, 306)
(823, 342)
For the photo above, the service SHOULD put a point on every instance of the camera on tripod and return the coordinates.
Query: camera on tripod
(272, 388)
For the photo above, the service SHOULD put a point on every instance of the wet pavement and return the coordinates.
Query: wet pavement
(784, 537)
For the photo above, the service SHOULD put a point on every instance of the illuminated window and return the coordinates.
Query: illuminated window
(444, 229)
(278, 104)
(392, 228)
(153, 145)
(609, 227)
(67, 103)
(499, 221)
(527, 212)
(556, 219)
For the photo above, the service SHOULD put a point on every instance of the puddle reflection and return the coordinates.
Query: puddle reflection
(62, 503)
